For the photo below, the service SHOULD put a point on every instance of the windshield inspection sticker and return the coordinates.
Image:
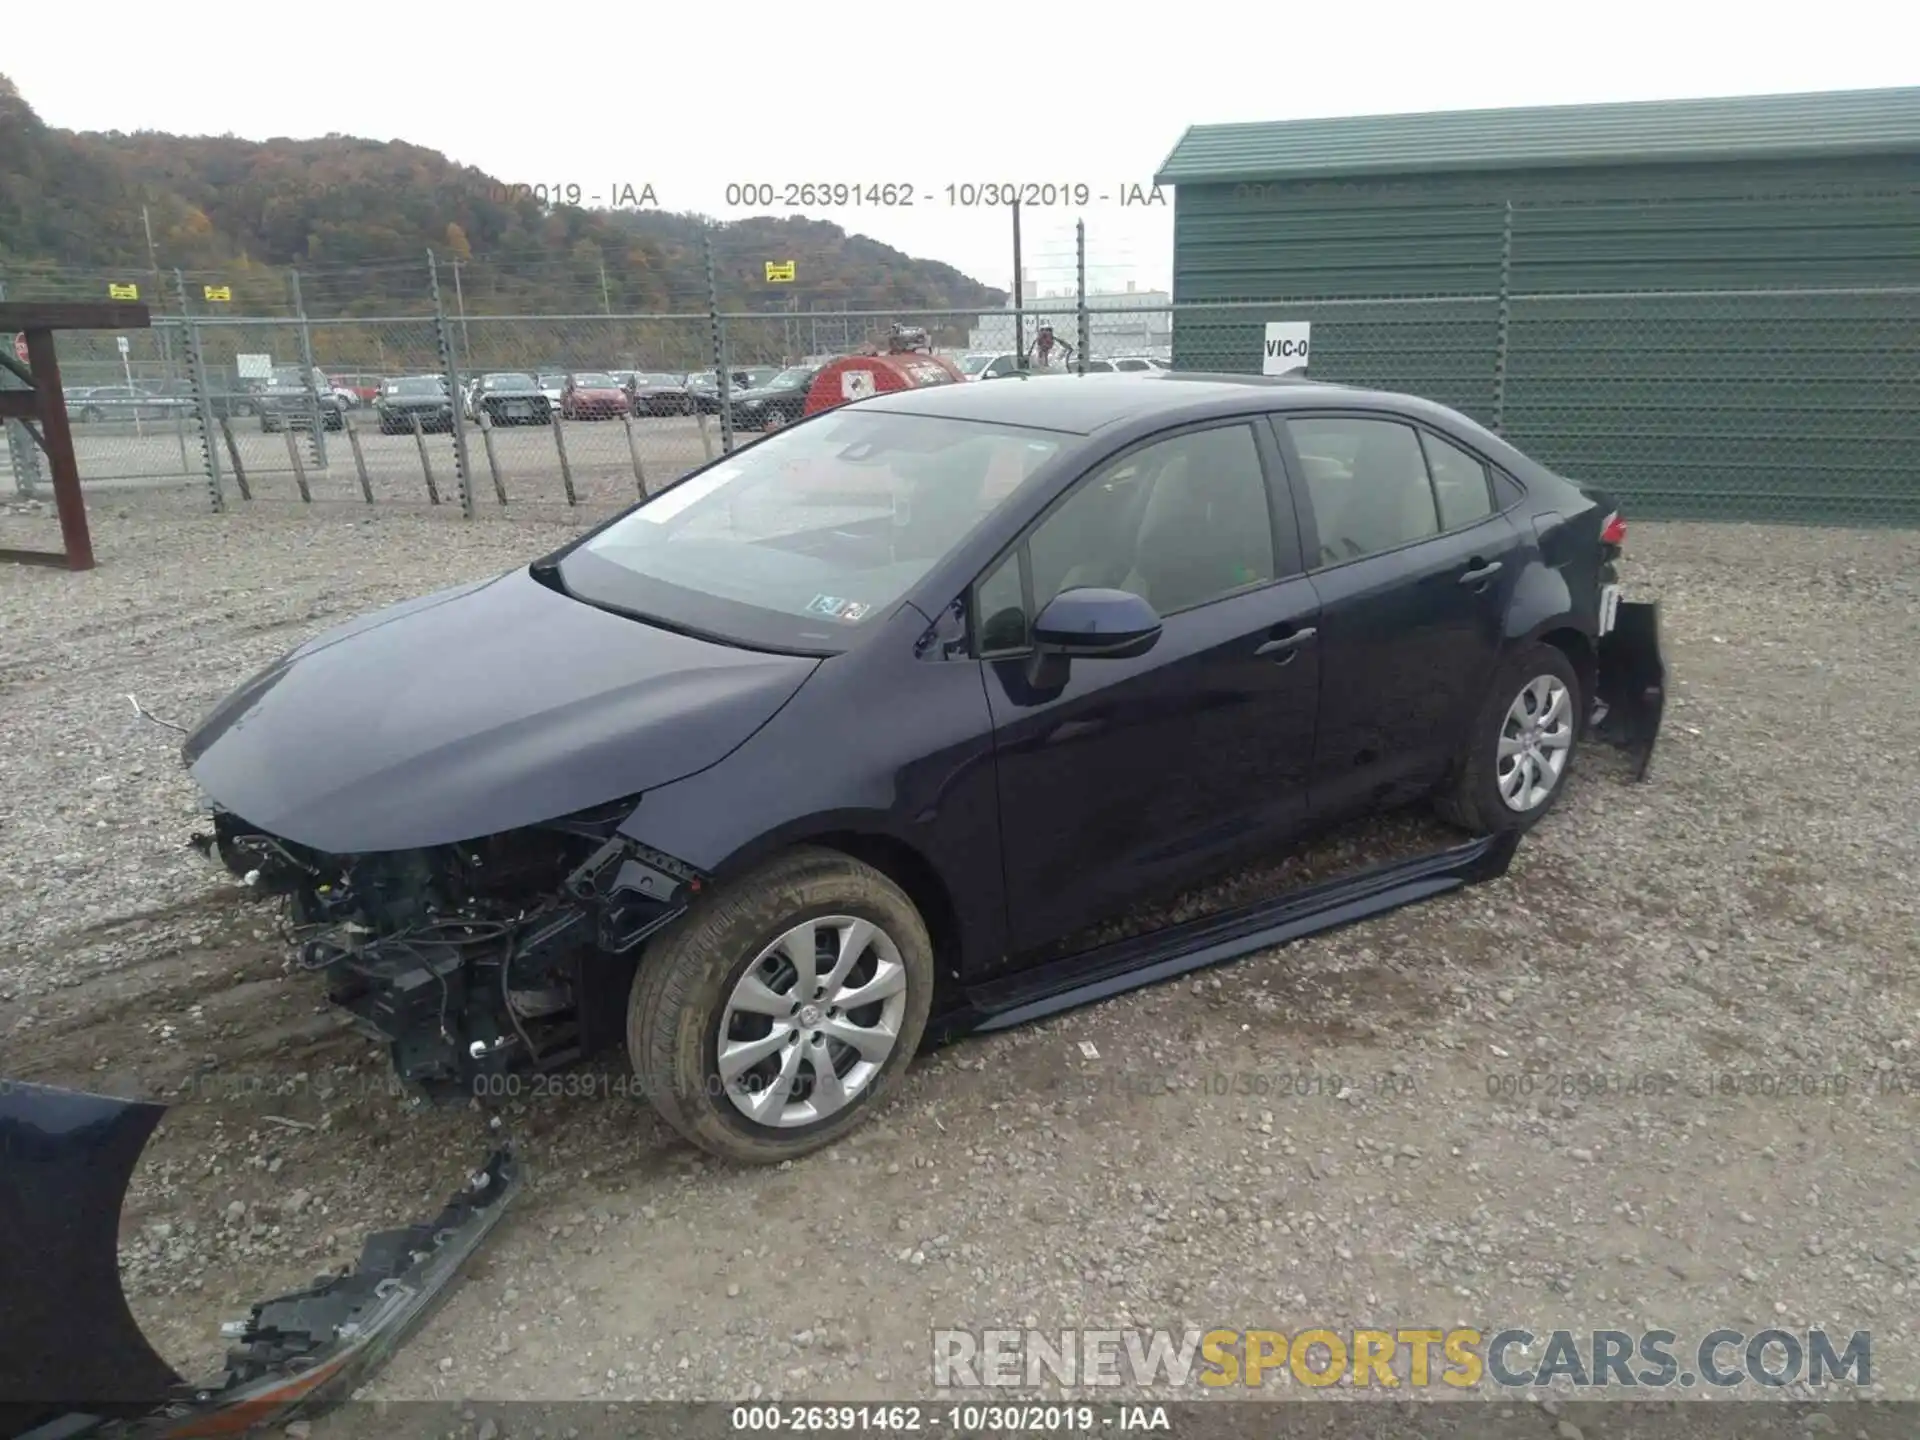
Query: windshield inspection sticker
(834, 608)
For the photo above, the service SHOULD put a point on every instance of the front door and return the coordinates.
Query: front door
(1414, 572)
(1138, 776)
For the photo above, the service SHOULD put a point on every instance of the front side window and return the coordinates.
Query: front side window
(1180, 523)
(1367, 482)
(799, 539)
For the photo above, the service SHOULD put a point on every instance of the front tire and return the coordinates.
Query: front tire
(1521, 748)
(733, 1051)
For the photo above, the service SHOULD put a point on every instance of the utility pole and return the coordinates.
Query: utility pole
(153, 265)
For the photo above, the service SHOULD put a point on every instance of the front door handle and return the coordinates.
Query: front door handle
(1287, 644)
(1480, 574)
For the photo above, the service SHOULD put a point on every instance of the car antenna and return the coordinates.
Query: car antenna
(146, 714)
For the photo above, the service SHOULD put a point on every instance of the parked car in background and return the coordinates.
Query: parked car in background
(414, 397)
(789, 791)
(704, 387)
(780, 402)
(229, 399)
(365, 389)
(293, 407)
(511, 398)
(127, 402)
(1140, 363)
(657, 393)
(594, 395)
(553, 385)
(989, 365)
(1092, 367)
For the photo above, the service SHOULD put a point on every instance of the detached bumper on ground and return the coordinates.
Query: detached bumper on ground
(73, 1360)
(1632, 683)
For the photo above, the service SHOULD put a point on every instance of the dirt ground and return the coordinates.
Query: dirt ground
(1445, 1116)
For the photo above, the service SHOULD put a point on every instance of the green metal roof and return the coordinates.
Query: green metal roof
(1843, 122)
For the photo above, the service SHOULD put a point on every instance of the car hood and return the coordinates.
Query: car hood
(474, 711)
(598, 393)
(402, 402)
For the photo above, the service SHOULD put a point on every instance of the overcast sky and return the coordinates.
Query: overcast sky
(690, 98)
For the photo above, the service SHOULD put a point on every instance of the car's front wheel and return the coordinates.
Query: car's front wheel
(1521, 748)
(778, 1014)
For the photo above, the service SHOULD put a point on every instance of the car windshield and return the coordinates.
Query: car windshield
(657, 379)
(796, 540)
(974, 364)
(552, 382)
(790, 379)
(595, 380)
(423, 385)
(510, 382)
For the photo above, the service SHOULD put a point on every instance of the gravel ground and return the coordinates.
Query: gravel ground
(1745, 921)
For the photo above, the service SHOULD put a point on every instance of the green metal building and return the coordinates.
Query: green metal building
(1710, 307)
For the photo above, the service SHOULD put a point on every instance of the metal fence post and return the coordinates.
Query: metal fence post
(449, 364)
(1505, 316)
(314, 416)
(26, 459)
(1080, 292)
(719, 350)
(1019, 296)
(202, 397)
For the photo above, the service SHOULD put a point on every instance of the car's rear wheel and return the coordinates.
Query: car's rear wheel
(90, 413)
(773, 419)
(777, 1016)
(1521, 747)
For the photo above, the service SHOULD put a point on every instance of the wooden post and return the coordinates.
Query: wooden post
(233, 454)
(426, 462)
(359, 463)
(57, 440)
(566, 470)
(493, 460)
(633, 450)
(299, 469)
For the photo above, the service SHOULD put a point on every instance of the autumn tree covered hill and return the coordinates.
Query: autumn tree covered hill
(357, 217)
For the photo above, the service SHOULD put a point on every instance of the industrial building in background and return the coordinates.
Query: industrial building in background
(1708, 306)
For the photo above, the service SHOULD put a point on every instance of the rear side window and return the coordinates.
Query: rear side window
(1367, 482)
(1459, 483)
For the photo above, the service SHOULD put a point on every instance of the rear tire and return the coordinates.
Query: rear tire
(1504, 778)
(685, 1004)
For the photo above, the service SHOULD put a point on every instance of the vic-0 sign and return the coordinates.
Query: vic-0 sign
(1286, 348)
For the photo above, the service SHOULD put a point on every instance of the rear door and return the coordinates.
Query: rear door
(1140, 775)
(1414, 570)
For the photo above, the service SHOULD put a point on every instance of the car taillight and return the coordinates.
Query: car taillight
(1614, 531)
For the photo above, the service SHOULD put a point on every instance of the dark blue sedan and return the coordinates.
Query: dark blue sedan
(851, 740)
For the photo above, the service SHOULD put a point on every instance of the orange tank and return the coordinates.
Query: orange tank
(854, 377)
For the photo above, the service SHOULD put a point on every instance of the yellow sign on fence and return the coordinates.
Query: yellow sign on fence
(218, 292)
(123, 292)
(779, 272)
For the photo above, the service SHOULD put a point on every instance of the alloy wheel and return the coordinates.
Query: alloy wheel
(1535, 741)
(812, 1021)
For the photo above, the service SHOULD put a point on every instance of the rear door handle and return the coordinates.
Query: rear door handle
(1480, 574)
(1287, 644)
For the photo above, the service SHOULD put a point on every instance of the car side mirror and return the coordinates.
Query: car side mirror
(1092, 624)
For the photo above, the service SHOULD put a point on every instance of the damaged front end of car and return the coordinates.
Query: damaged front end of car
(73, 1360)
(513, 952)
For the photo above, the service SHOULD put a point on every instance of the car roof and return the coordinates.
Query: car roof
(1084, 404)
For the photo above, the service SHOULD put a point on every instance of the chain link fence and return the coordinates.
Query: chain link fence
(1789, 404)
